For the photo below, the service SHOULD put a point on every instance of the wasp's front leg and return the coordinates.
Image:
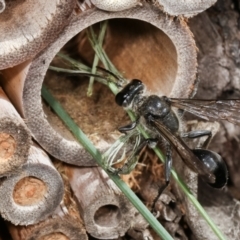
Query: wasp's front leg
(131, 161)
(129, 127)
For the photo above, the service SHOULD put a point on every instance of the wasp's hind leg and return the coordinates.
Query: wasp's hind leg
(198, 134)
(168, 167)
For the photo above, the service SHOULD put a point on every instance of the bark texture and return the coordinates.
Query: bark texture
(217, 37)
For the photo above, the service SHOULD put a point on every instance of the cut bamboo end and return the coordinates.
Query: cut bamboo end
(105, 210)
(29, 191)
(64, 223)
(30, 37)
(32, 194)
(7, 147)
(181, 62)
(185, 8)
(15, 138)
(53, 228)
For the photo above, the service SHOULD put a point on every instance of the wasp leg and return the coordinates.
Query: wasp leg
(168, 167)
(133, 159)
(198, 134)
(129, 127)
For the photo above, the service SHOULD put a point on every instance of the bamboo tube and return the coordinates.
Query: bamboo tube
(64, 224)
(21, 38)
(15, 138)
(187, 8)
(13, 83)
(176, 65)
(105, 210)
(2, 5)
(51, 229)
(32, 194)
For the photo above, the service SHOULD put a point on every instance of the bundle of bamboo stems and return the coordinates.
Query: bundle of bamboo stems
(32, 193)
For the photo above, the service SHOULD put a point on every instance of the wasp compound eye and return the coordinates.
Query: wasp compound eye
(215, 165)
(127, 94)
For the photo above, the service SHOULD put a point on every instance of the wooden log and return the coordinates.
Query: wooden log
(64, 224)
(104, 209)
(28, 37)
(33, 193)
(177, 64)
(15, 138)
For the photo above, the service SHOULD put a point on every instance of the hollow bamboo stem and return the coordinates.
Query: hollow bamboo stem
(21, 38)
(105, 210)
(32, 193)
(64, 224)
(180, 59)
(15, 138)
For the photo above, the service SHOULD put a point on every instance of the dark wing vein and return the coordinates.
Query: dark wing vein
(228, 110)
(184, 151)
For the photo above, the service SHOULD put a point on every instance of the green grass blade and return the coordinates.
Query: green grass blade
(87, 144)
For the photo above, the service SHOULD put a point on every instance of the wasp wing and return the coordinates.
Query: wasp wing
(228, 110)
(183, 150)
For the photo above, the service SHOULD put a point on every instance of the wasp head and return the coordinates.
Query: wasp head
(126, 96)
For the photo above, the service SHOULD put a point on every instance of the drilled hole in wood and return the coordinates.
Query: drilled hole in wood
(108, 216)
(29, 191)
(55, 236)
(7, 146)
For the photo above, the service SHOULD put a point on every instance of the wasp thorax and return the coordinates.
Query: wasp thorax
(125, 97)
(155, 106)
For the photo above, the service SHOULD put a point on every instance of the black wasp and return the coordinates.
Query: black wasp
(158, 117)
